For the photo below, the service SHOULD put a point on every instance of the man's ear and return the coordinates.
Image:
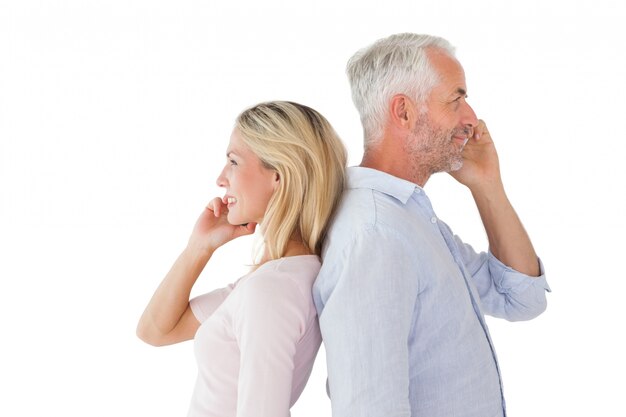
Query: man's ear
(402, 111)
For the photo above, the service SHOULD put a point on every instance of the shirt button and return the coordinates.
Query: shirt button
(433, 220)
(417, 191)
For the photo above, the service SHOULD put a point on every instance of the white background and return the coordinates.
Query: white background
(114, 119)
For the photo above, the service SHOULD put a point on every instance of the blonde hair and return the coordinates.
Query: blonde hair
(310, 159)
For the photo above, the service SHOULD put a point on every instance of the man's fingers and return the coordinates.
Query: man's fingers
(481, 130)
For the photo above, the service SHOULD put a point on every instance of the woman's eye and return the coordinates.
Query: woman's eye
(232, 162)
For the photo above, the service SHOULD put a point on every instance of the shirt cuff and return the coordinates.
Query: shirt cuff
(508, 280)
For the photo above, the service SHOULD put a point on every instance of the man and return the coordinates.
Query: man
(401, 300)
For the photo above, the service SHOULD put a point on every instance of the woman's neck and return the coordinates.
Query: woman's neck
(294, 248)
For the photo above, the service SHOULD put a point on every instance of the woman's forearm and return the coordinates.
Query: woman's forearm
(171, 298)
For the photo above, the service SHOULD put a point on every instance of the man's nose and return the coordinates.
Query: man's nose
(468, 117)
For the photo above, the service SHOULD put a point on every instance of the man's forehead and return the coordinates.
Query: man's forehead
(450, 73)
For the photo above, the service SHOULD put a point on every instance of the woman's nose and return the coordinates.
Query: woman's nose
(221, 179)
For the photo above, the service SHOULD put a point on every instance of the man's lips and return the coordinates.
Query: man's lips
(461, 140)
(462, 135)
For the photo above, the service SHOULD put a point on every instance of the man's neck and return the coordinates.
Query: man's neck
(396, 165)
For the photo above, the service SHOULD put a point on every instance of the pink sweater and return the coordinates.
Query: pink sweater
(257, 342)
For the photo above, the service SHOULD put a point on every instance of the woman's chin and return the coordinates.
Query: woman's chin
(236, 220)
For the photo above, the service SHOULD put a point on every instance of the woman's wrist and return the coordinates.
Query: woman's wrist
(199, 251)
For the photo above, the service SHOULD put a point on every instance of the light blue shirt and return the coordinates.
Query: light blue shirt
(401, 302)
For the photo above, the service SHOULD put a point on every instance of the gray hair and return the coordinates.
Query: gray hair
(394, 65)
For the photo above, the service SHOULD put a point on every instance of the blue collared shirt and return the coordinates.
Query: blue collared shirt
(401, 302)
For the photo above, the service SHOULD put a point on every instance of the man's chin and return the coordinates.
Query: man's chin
(455, 165)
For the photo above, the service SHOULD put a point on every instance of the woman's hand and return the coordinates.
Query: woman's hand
(212, 228)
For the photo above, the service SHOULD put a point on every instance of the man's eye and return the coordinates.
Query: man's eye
(232, 162)
(461, 97)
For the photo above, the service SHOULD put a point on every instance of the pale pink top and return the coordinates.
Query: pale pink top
(257, 342)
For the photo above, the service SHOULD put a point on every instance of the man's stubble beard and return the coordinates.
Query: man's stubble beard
(432, 149)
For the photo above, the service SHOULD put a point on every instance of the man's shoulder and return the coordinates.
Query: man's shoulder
(371, 197)
(366, 209)
(357, 207)
(370, 229)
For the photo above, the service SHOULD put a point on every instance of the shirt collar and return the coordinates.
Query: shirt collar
(361, 177)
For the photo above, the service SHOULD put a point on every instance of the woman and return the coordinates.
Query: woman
(256, 340)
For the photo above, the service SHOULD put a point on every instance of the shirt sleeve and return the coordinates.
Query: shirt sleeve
(204, 305)
(366, 318)
(270, 321)
(504, 292)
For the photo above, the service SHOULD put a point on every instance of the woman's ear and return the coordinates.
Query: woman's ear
(276, 179)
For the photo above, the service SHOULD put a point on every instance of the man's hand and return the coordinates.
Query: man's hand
(481, 168)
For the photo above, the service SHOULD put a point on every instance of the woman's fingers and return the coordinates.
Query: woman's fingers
(216, 206)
